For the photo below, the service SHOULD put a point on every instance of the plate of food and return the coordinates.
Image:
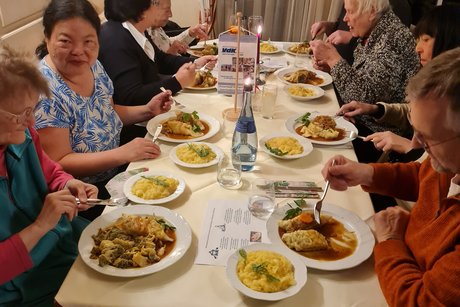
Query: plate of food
(111, 243)
(266, 272)
(201, 50)
(304, 92)
(302, 48)
(153, 187)
(269, 48)
(293, 75)
(321, 129)
(196, 154)
(204, 80)
(341, 241)
(181, 126)
(285, 145)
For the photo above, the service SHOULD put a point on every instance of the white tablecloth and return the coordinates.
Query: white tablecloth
(186, 284)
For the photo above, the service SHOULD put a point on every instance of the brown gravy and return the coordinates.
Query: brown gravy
(187, 137)
(169, 246)
(341, 135)
(335, 251)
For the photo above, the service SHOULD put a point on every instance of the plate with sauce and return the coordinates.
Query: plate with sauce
(343, 127)
(339, 255)
(320, 78)
(174, 252)
(211, 127)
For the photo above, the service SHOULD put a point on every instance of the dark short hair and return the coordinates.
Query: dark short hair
(59, 10)
(124, 10)
(443, 24)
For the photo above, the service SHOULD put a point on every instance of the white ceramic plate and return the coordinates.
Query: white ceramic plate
(219, 153)
(278, 49)
(306, 144)
(321, 74)
(300, 273)
(214, 127)
(291, 125)
(318, 92)
(193, 88)
(286, 49)
(352, 223)
(183, 240)
(132, 180)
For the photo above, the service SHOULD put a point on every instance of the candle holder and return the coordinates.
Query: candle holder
(259, 81)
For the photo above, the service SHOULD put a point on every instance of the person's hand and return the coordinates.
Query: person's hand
(346, 173)
(387, 141)
(160, 103)
(139, 149)
(199, 31)
(177, 47)
(325, 53)
(186, 74)
(321, 27)
(82, 191)
(354, 108)
(391, 223)
(55, 205)
(320, 65)
(208, 60)
(339, 37)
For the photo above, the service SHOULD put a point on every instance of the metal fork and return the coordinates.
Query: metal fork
(111, 202)
(319, 203)
(177, 104)
(354, 135)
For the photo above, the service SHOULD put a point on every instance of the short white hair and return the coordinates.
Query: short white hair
(380, 6)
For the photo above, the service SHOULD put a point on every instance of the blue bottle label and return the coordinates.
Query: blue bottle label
(245, 126)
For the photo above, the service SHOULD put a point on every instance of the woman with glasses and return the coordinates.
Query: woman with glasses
(78, 124)
(436, 32)
(39, 226)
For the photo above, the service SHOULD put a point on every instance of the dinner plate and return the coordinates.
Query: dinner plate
(132, 180)
(321, 74)
(214, 127)
(300, 273)
(352, 223)
(286, 49)
(305, 143)
(278, 49)
(183, 240)
(173, 156)
(291, 125)
(195, 88)
(318, 92)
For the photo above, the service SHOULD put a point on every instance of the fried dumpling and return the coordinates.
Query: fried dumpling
(302, 221)
(305, 240)
(181, 128)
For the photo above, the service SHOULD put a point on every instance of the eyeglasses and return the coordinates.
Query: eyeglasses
(421, 140)
(19, 119)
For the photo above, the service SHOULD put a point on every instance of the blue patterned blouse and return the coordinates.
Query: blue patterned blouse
(93, 124)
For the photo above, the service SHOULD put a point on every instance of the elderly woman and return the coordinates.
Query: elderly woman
(178, 44)
(39, 226)
(79, 126)
(385, 57)
(436, 32)
(135, 64)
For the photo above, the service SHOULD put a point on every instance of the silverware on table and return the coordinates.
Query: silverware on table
(354, 135)
(111, 202)
(319, 203)
(177, 104)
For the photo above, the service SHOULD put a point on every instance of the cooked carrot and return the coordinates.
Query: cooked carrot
(306, 218)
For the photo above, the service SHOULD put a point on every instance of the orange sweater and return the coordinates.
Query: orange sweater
(424, 270)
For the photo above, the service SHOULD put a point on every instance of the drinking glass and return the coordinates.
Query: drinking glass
(301, 61)
(269, 94)
(228, 173)
(254, 22)
(229, 118)
(262, 198)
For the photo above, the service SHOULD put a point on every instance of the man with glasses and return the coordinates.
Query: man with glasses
(417, 256)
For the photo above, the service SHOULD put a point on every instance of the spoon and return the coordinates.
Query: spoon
(111, 202)
(354, 135)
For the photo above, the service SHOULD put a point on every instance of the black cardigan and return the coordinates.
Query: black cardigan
(135, 77)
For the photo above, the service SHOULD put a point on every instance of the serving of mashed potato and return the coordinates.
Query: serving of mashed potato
(195, 153)
(265, 271)
(301, 91)
(284, 145)
(154, 187)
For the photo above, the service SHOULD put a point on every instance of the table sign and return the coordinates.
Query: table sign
(227, 61)
(228, 225)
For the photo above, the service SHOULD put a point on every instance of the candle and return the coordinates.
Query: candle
(259, 31)
(247, 85)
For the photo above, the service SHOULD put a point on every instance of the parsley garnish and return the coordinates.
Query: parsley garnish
(304, 119)
(294, 211)
(201, 152)
(157, 181)
(165, 225)
(276, 151)
(258, 268)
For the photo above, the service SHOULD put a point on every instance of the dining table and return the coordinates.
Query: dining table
(188, 284)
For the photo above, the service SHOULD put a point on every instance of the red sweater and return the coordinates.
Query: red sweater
(14, 257)
(424, 270)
